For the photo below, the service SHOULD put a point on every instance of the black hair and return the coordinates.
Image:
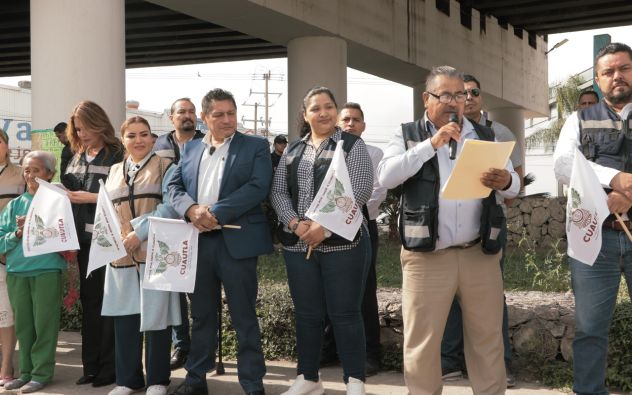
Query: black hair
(173, 105)
(471, 78)
(60, 127)
(611, 49)
(353, 105)
(303, 126)
(216, 94)
(588, 92)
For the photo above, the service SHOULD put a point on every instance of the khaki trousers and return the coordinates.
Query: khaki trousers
(431, 280)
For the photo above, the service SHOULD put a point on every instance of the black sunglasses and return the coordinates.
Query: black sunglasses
(474, 92)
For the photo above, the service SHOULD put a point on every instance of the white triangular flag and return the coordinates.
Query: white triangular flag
(172, 247)
(334, 206)
(107, 244)
(586, 209)
(49, 225)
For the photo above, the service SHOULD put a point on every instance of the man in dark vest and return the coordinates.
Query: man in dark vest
(602, 134)
(451, 248)
(170, 145)
(452, 361)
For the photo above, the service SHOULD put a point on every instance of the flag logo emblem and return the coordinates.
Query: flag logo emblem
(41, 232)
(582, 218)
(166, 258)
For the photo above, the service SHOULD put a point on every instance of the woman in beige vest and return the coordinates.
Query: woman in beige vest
(11, 186)
(137, 187)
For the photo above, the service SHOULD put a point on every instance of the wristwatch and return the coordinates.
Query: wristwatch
(295, 226)
(327, 233)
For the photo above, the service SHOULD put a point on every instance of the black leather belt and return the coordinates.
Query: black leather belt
(468, 244)
(616, 225)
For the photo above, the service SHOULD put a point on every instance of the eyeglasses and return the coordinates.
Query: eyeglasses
(447, 98)
(474, 92)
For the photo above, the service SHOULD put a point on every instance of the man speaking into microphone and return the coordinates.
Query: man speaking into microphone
(450, 248)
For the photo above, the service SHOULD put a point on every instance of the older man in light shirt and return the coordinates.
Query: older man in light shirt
(449, 248)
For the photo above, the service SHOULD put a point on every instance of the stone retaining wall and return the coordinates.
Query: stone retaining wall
(540, 219)
(541, 324)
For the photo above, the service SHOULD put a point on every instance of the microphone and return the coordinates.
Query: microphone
(211, 150)
(452, 143)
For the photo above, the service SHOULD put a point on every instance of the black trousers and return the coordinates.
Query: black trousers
(369, 308)
(129, 353)
(97, 332)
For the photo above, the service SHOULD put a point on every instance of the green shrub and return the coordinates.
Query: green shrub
(71, 320)
(620, 348)
(275, 312)
(537, 269)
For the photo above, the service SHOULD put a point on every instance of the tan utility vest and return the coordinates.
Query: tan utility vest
(131, 202)
(11, 186)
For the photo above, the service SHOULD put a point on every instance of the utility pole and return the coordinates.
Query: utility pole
(266, 77)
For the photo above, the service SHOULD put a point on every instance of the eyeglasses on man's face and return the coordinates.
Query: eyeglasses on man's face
(475, 92)
(446, 98)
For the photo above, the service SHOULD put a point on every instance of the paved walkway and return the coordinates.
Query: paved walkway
(279, 377)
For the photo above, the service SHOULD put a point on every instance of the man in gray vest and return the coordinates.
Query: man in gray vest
(451, 248)
(452, 361)
(170, 145)
(602, 134)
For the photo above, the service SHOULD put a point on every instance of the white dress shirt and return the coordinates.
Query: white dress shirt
(459, 220)
(379, 192)
(211, 171)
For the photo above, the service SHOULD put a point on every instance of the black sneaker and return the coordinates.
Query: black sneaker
(372, 367)
(178, 358)
(511, 376)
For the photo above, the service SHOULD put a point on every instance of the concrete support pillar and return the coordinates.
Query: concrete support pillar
(314, 61)
(418, 101)
(513, 118)
(77, 53)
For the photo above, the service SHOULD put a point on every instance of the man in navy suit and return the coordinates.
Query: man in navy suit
(221, 180)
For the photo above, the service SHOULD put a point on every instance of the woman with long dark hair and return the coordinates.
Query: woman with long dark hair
(332, 279)
(95, 149)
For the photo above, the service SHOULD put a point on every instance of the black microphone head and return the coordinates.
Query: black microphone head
(453, 118)
(211, 150)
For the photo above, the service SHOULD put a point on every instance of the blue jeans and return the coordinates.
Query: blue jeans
(595, 288)
(331, 283)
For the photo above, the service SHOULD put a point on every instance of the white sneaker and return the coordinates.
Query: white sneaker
(305, 387)
(156, 390)
(355, 387)
(121, 390)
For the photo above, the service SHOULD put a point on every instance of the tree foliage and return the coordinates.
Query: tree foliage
(566, 96)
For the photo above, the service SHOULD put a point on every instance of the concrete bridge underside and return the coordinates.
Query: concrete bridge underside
(76, 45)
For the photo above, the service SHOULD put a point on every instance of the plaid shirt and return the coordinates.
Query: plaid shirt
(360, 172)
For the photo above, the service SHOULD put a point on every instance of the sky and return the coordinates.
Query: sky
(386, 104)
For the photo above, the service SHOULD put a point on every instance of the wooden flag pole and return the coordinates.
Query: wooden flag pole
(623, 225)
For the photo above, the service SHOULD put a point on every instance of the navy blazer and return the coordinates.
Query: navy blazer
(245, 184)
